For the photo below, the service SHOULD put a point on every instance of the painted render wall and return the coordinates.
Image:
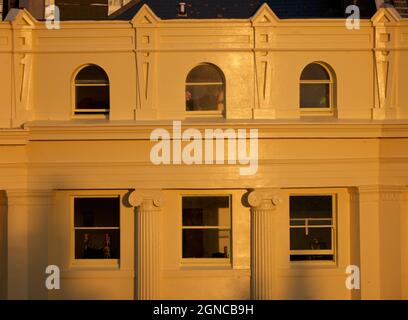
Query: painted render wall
(360, 154)
(72, 163)
(168, 50)
(117, 166)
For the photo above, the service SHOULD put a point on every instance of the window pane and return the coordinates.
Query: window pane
(206, 243)
(97, 244)
(92, 74)
(295, 222)
(311, 207)
(315, 212)
(204, 97)
(321, 222)
(206, 211)
(316, 239)
(90, 97)
(96, 212)
(315, 71)
(205, 73)
(314, 95)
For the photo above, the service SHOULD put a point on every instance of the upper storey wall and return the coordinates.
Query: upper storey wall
(147, 61)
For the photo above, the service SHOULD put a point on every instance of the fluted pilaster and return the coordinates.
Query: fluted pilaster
(263, 204)
(148, 204)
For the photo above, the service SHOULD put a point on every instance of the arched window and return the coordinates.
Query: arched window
(92, 91)
(205, 89)
(316, 88)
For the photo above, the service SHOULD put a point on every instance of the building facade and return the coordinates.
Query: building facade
(115, 5)
(84, 190)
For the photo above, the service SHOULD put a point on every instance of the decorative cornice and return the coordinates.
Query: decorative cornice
(385, 16)
(13, 137)
(265, 17)
(384, 192)
(29, 197)
(145, 17)
(141, 130)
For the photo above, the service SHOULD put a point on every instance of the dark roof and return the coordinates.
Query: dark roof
(82, 9)
(244, 9)
(402, 7)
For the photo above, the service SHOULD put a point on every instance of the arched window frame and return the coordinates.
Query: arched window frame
(93, 113)
(332, 91)
(207, 113)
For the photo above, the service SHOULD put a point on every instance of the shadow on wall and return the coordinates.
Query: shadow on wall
(126, 203)
(3, 245)
(298, 288)
(37, 246)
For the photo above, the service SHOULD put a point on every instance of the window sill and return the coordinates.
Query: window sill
(204, 114)
(313, 264)
(101, 116)
(194, 264)
(111, 264)
(316, 112)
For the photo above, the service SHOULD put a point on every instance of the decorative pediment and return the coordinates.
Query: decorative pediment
(264, 17)
(386, 15)
(21, 18)
(145, 17)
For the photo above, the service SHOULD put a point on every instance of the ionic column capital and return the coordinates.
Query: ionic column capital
(264, 199)
(152, 198)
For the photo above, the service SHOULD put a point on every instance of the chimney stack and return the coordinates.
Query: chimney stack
(182, 10)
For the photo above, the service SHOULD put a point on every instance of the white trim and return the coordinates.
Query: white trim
(315, 111)
(205, 114)
(334, 249)
(205, 262)
(92, 262)
(102, 113)
(212, 113)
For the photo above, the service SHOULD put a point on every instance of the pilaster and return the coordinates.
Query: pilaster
(27, 243)
(263, 204)
(148, 204)
(380, 212)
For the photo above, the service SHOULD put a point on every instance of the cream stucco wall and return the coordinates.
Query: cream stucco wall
(359, 154)
(170, 49)
(292, 164)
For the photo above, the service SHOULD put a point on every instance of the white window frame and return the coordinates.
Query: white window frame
(310, 111)
(94, 262)
(223, 262)
(207, 113)
(334, 250)
(88, 113)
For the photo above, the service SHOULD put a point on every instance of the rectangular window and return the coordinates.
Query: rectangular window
(96, 227)
(206, 227)
(312, 228)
